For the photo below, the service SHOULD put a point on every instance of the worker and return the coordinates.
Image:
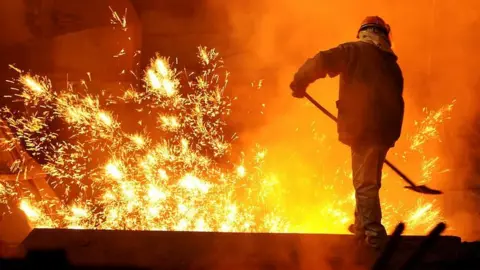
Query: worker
(370, 113)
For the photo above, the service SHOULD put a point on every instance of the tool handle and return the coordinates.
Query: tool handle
(400, 173)
(331, 116)
(320, 107)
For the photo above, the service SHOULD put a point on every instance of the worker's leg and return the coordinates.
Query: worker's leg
(367, 163)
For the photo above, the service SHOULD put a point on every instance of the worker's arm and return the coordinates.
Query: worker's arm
(330, 62)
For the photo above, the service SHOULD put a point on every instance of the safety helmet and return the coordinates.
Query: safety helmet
(375, 22)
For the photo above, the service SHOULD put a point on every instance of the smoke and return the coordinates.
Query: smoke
(436, 43)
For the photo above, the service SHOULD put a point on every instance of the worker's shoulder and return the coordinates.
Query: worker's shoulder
(351, 44)
(351, 47)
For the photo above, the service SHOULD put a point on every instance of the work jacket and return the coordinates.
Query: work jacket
(370, 105)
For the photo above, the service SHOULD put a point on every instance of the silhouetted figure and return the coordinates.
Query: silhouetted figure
(370, 113)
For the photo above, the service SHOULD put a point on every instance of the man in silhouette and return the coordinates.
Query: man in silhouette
(370, 113)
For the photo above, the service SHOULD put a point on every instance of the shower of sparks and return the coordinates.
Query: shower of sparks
(119, 20)
(427, 131)
(425, 214)
(177, 172)
(117, 180)
(427, 128)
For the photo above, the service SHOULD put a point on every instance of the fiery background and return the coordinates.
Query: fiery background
(435, 45)
(190, 152)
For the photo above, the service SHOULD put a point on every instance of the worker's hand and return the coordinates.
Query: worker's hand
(298, 90)
(298, 94)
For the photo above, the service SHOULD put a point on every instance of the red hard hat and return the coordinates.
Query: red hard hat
(375, 22)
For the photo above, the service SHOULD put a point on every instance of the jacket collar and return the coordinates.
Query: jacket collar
(377, 39)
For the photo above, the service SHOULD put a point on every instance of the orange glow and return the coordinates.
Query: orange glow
(297, 178)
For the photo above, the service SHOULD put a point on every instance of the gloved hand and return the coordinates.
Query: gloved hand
(298, 89)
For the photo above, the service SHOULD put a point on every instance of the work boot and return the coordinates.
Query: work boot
(376, 242)
(359, 236)
(351, 228)
(373, 241)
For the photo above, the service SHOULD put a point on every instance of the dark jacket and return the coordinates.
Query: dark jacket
(370, 105)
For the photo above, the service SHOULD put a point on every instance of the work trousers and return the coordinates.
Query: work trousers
(367, 164)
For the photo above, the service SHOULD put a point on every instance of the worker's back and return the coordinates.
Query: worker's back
(370, 106)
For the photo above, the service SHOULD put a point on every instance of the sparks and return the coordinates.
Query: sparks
(175, 179)
(113, 170)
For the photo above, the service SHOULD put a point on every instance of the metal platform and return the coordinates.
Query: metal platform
(212, 250)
